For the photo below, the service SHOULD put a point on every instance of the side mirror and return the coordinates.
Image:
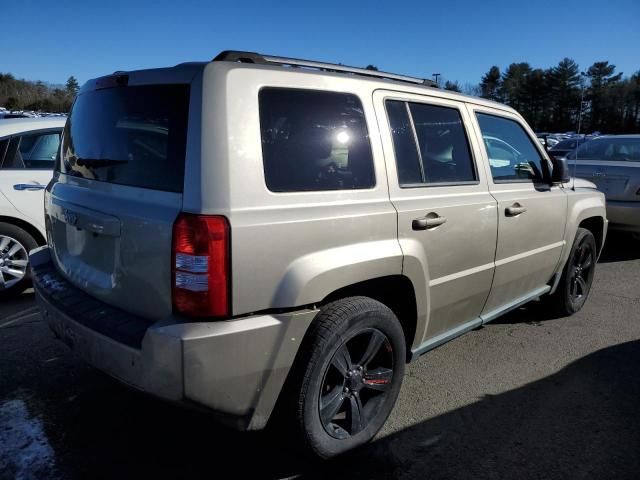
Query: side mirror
(560, 173)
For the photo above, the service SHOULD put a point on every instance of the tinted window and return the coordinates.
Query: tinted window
(609, 149)
(442, 143)
(129, 135)
(512, 154)
(404, 144)
(32, 151)
(314, 141)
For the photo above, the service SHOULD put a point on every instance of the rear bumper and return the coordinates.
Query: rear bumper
(236, 368)
(624, 215)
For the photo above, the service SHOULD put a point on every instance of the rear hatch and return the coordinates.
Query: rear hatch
(118, 185)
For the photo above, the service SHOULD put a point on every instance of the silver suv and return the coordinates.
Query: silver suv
(258, 230)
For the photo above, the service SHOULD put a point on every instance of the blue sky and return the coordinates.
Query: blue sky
(45, 40)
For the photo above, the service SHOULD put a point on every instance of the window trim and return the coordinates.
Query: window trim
(58, 130)
(465, 128)
(546, 174)
(374, 184)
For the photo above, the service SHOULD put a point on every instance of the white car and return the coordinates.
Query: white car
(28, 149)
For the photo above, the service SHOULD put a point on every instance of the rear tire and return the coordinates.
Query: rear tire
(15, 244)
(348, 375)
(577, 276)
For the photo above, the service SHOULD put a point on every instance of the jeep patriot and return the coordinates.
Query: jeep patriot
(257, 231)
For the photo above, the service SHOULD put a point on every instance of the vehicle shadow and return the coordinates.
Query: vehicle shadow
(582, 422)
(17, 305)
(620, 247)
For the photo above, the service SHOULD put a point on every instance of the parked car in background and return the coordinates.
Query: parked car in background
(28, 148)
(613, 164)
(563, 147)
(239, 234)
(547, 140)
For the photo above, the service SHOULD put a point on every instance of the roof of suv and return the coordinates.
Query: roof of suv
(10, 126)
(383, 79)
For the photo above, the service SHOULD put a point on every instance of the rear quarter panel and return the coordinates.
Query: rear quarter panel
(288, 249)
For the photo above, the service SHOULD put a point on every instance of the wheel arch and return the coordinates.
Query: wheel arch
(26, 226)
(595, 225)
(396, 292)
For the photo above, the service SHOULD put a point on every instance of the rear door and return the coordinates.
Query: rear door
(531, 213)
(118, 189)
(446, 215)
(26, 170)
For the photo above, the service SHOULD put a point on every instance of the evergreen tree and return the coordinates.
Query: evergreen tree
(72, 87)
(600, 94)
(564, 89)
(490, 84)
(452, 86)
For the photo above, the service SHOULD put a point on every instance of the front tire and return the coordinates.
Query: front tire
(577, 276)
(349, 375)
(15, 245)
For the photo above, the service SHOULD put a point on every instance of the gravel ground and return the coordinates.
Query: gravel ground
(527, 396)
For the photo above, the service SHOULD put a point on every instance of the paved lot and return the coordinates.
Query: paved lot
(527, 396)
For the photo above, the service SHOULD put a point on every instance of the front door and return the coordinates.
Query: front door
(531, 212)
(447, 218)
(27, 169)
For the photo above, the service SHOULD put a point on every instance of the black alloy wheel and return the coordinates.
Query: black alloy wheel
(582, 271)
(356, 383)
(346, 377)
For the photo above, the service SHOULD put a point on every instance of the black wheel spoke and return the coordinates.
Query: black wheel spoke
(357, 418)
(587, 262)
(348, 386)
(375, 342)
(378, 379)
(342, 360)
(330, 404)
(582, 254)
(582, 284)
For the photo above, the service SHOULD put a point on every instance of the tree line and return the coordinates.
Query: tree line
(562, 98)
(16, 94)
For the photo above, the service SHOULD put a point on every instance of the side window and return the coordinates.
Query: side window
(313, 140)
(512, 154)
(443, 144)
(623, 150)
(404, 144)
(32, 151)
(430, 144)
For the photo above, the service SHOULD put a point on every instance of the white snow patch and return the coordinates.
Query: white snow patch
(25, 452)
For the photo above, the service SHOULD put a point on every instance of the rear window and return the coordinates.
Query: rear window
(129, 135)
(313, 140)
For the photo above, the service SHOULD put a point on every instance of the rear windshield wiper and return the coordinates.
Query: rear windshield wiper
(98, 162)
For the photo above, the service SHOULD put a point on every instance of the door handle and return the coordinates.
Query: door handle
(514, 210)
(29, 186)
(430, 220)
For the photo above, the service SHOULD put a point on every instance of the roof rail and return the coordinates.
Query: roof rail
(252, 57)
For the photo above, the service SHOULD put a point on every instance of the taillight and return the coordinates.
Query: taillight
(200, 265)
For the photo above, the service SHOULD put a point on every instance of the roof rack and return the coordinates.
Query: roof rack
(252, 57)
